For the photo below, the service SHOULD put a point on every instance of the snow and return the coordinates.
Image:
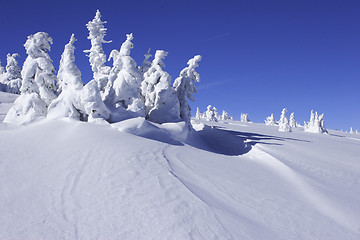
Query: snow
(6, 102)
(66, 179)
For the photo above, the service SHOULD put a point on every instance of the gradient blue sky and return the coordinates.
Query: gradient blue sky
(258, 56)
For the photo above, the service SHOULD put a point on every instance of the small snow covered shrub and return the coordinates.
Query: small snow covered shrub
(270, 120)
(316, 124)
(210, 114)
(225, 116)
(284, 125)
(244, 117)
(351, 131)
(198, 115)
(292, 120)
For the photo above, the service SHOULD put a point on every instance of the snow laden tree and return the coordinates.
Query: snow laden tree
(38, 73)
(244, 117)
(97, 57)
(216, 114)
(11, 80)
(123, 88)
(351, 130)
(2, 70)
(210, 114)
(159, 98)
(316, 124)
(292, 120)
(225, 116)
(2, 75)
(270, 120)
(284, 125)
(69, 85)
(38, 87)
(146, 64)
(198, 114)
(185, 87)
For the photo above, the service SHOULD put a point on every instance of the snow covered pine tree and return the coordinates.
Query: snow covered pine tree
(159, 98)
(38, 86)
(185, 87)
(284, 125)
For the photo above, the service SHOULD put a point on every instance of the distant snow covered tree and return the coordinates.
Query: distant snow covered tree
(38, 87)
(351, 131)
(2, 70)
(11, 79)
(123, 88)
(216, 114)
(13, 74)
(284, 125)
(270, 120)
(210, 114)
(69, 85)
(2, 75)
(316, 124)
(292, 120)
(185, 87)
(146, 63)
(159, 98)
(244, 117)
(96, 55)
(224, 116)
(198, 115)
(357, 131)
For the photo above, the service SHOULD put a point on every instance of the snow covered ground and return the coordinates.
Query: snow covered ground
(64, 179)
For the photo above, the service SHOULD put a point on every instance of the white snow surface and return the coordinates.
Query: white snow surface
(66, 179)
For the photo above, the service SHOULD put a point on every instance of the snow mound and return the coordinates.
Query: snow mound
(27, 108)
(95, 182)
(6, 102)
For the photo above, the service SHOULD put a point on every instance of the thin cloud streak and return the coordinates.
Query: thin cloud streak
(219, 36)
(212, 84)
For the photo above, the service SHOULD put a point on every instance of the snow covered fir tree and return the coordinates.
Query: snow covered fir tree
(284, 125)
(316, 123)
(38, 82)
(270, 120)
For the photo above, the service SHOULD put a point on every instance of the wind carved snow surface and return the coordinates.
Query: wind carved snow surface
(66, 179)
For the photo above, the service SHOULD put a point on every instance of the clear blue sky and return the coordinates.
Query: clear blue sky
(258, 56)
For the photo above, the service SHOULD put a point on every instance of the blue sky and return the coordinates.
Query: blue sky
(258, 56)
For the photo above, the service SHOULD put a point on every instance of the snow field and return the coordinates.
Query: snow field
(65, 179)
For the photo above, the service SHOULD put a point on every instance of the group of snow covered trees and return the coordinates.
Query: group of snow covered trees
(115, 93)
(315, 125)
(10, 80)
(211, 114)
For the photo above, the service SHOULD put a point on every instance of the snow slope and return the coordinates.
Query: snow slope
(66, 179)
(6, 102)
